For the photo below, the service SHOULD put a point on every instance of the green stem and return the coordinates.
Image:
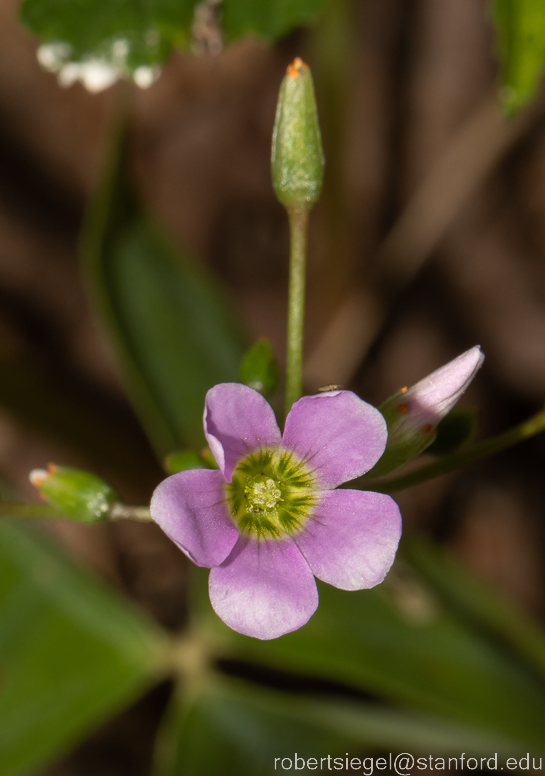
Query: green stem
(123, 512)
(298, 218)
(46, 511)
(448, 463)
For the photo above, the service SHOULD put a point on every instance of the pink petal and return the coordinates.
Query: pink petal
(338, 434)
(190, 507)
(264, 589)
(237, 420)
(433, 397)
(351, 539)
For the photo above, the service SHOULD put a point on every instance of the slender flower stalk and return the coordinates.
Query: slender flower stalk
(525, 430)
(297, 165)
(513, 436)
(298, 218)
(47, 511)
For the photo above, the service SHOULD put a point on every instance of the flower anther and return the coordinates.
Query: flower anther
(270, 520)
(272, 494)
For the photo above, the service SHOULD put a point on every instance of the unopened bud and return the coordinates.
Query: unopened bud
(78, 494)
(297, 155)
(413, 414)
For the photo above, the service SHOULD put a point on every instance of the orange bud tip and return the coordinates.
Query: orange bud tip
(402, 390)
(403, 408)
(52, 468)
(295, 68)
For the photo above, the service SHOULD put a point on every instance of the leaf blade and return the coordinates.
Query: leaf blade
(71, 653)
(173, 332)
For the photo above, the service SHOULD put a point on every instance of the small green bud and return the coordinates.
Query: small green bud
(258, 368)
(297, 154)
(181, 460)
(78, 494)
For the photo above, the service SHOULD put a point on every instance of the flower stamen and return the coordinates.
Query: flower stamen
(272, 494)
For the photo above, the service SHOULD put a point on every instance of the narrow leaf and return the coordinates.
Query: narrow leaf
(234, 728)
(71, 652)
(520, 31)
(402, 643)
(174, 335)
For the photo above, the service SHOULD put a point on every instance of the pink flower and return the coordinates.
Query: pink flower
(270, 519)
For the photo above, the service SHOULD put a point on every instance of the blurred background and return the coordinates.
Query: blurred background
(429, 238)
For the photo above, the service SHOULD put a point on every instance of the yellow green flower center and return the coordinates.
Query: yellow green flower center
(272, 494)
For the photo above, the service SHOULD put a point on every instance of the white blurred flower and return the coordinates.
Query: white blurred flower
(96, 74)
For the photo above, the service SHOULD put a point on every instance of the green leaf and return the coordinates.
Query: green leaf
(520, 30)
(477, 604)
(268, 19)
(174, 333)
(182, 460)
(91, 28)
(400, 642)
(72, 653)
(234, 728)
(259, 368)
(128, 34)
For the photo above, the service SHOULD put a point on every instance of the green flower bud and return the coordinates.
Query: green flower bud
(79, 495)
(297, 154)
(258, 368)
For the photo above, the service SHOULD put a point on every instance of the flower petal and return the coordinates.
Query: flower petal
(237, 420)
(190, 508)
(351, 539)
(338, 434)
(264, 589)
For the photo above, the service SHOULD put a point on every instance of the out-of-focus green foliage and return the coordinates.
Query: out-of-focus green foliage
(71, 652)
(181, 460)
(237, 730)
(174, 333)
(455, 430)
(267, 19)
(520, 31)
(478, 605)
(407, 643)
(230, 728)
(259, 368)
(91, 27)
(130, 34)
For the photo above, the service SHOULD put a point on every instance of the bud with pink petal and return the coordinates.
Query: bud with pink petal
(413, 414)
